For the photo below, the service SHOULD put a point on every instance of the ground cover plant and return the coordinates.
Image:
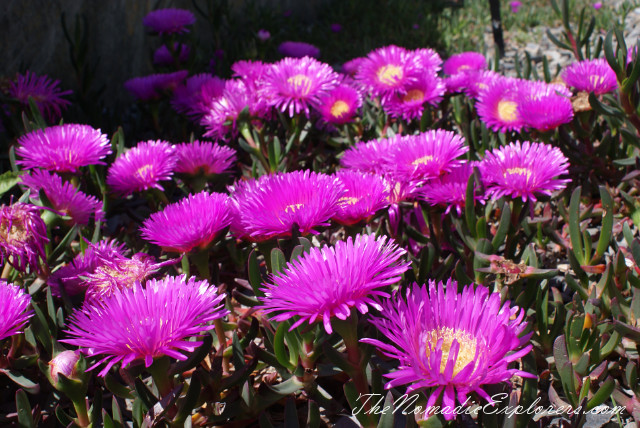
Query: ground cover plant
(401, 238)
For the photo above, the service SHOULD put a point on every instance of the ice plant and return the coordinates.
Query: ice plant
(427, 89)
(144, 323)
(387, 70)
(298, 50)
(65, 363)
(195, 96)
(351, 67)
(591, 76)
(327, 282)
(169, 21)
(163, 56)
(23, 236)
(63, 148)
(464, 62)
(203, 157)
(450, 190)
(153, 86)
(427, 155)
(190, 224)
(43, 90)
(273, 204)
(364, 195)
(453, 342)
(544, 107)
(340, 105)
(14, 315)
(69, 278)
(292, 85)
(522, 170)
(142, 167)
(64, 197)
(498, 105)
(118, 273)
(371, 156)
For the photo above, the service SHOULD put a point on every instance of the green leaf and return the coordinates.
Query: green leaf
(607, 224)
(255, 278)
(386, 419)
(278, 260)
(469, 205)
(196, 356)
(279, 347)
(602, 394)
(574, 226)
(8, 180)
(117, 388)
(21, 380)
(291, 414)
(503, 227)
(609, 54)
(190, 400)
(565, 369)
(25, 418)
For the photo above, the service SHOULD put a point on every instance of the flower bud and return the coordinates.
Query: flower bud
(64, 363)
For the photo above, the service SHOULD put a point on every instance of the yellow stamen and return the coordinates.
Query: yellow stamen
(413, 95)
(293, 208)
(596, 80)
(517, 171)
(339, 108)
(300, 84)
(389, 74)
(348, 200)
(143, 172)
(507, 111)
(423, 160)
(467, 347)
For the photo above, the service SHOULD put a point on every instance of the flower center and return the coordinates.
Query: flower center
(462, 68)
(13, 231)
(507, 111)
(423, 160)
(293, 208)
(339, 109)
(389, 74)
(466, 352)
(348, 200)
(300, 83)
(518, 171)
(596, 80)
(144, 172)
(413, 95)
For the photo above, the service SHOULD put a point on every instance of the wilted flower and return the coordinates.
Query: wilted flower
(169, 21)
(426, 156)
(498, 105)
(14, 315)
(163, 56)
(64, 197)
(298, 50)
(327, 282)
(142, 167)
(292, 85)
(153, 86)
(543, 106)
(340, 105)
(204, 157)
(143, 323)
(464, 62)
(190, 224)
(271, 205)
(44, 92)
(388, 70)
(427, 89)
(594, 75)
(522, 170)
(364, 195)
(118, 273)
(63, 148)
(69, 278)
(196, 96)
(23, 236)
(450, 190)
(455, 342)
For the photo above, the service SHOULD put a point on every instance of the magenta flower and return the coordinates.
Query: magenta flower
(427, 89)
(203, 157)
(271, 205)
(293, 84)
(145, 323)
(196, 96)
(426, 156)
(44, 91)
(340, 105)
(428, 59)
(370, 156)
(298, 50)
(364, 195)
(191, 224)
(515, 6)
(475, 82)
(118, 273)
(597, 5)
(153, 86)
(544, 107)
(169, 21)
(498, 105)
(14, 314)
(327, 282)
(163, 56)
(23, 236)
(63, 148)
(464, 62)
(450, 190)
(142, 167)
(388, 70)
(68, 279)
(455, 342)
(251, 73)
(522, 170)
(351, 67)
(263, 35)
(64, 197)
(591, 76)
